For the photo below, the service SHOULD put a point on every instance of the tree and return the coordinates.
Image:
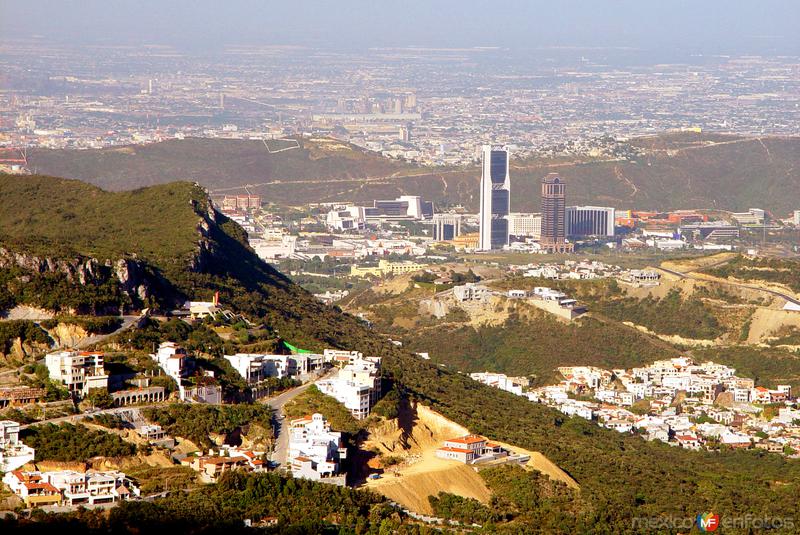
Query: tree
(100, 398)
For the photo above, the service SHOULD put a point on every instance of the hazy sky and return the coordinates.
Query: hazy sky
(695, 26)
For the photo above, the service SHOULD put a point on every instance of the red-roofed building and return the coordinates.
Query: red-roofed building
(469, 449)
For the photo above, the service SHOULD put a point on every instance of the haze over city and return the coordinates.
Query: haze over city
(412, 267)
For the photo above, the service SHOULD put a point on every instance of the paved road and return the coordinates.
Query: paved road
(127, 323)
(281, 426)
(681, 275)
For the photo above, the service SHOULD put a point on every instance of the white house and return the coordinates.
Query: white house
(354, 396)
(257, 367)
(69, 487)
(78, 371)
(315, 450)
(13, 453)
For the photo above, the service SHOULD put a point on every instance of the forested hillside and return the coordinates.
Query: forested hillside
(682, 170)
(620, 477)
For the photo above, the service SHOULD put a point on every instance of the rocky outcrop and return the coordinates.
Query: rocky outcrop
(130, 273)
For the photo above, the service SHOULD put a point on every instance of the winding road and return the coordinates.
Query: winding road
(280, 425)
(681, 275)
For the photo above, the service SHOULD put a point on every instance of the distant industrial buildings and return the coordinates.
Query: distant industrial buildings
(404, 208)
(495, 198)
(241, 203)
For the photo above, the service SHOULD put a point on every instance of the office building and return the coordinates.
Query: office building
(711, 231)
(446, 227)
(796, 218)
(404, 208)
(495, 199)
(590, 221)
(752, 218)
(554, 225)
(525, 225)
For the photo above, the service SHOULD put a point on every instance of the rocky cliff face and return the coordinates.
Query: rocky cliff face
(141, 281)
(129, 273)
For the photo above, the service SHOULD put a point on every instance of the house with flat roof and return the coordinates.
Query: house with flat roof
(92, 487)
(315, 450)
(79, 371)
(13, 453)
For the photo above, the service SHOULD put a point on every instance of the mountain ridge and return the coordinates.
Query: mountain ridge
(663, 172)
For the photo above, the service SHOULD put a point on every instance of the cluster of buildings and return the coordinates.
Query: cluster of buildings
(549, 229)
(214, 464)
(680, 402)
(315, 451)
(404, 208)
(71, 488)
(176, 363)
(80, 372)
(587, 270)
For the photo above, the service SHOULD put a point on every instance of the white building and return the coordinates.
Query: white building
(498, 380)
(71, 488)
(344, 218)
(13, 453)
(495, 198)
(174, 361)
(471, 292)
(257, 367)
(796, 218)
(78, 371)
(354, 396)
(315, 450)
(285, 247)
(525, 225)
(590, 220)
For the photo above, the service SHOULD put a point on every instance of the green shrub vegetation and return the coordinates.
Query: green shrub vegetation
(68, 442)
(537, 344)
(27, 331)
(672, 314)
(464, 510)
(770, 270)
(198, 422)
(312, 401)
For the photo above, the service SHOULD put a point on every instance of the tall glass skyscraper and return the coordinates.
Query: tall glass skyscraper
(495, 198)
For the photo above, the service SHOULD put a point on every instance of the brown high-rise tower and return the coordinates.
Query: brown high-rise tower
(554, 226)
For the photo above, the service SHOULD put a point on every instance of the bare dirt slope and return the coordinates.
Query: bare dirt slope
(414, 437)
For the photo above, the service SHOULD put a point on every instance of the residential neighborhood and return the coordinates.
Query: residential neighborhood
(678, 401)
